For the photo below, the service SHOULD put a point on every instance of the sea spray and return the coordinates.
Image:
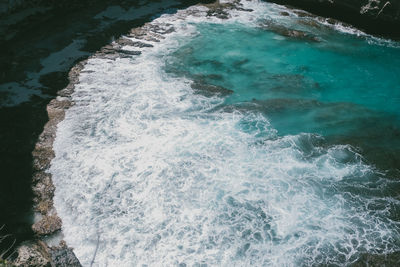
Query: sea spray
(148, 171)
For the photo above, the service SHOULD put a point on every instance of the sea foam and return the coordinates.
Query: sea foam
(149, 173)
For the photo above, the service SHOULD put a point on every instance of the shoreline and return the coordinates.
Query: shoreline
(49, 246)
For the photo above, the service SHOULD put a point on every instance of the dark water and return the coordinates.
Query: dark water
(38, 46)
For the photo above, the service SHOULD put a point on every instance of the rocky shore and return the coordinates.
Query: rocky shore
(47, 224)
(49, 248)
(380, 17)
(44, 250)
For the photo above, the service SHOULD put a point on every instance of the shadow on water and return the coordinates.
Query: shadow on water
(375, 134)
(39, 45)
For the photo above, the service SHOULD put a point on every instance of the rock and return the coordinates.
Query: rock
(129, 52)
(149, 33)
(63, 256)
(124, 41)
(44, 192)
(141, 44)
(161, 28)
(218, 12)
(31, 254)
(47, 225)
(291, 33)
(210, 89)
(39, 254)
(374, 16)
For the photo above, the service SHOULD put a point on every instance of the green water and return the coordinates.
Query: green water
(343, 87)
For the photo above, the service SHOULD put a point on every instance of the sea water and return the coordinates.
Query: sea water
(231, 143)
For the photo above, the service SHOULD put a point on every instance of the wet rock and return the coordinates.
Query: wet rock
(44, 192)
(47, 225)
(31, 254)
(161, 28)
(37, 253)
(302, 13)
(108, 49)
(244, 9)
(310, 23)
(291, 33)
(129, 42)
(374, 16)
(42, 162)
(206, 89)
(124, 41)
(141, 44)
(150, 33)
(129, 52)
(63, 256)
(218, 12)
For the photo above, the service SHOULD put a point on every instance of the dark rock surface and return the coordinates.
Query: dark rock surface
(291, 33)
(32, 254)
(63, 256)
(381, 17)
(37, 253)
(206, 89)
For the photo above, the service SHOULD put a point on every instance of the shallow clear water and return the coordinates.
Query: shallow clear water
(230, 144)
(344, 88)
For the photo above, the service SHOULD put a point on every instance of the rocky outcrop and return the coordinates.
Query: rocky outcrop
(380, 17)
(39, 254)
(47, 223)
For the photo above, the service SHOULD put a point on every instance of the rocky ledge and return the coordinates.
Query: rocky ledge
(380, 17)
(47, 224)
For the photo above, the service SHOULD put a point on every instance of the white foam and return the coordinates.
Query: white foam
(146, 172)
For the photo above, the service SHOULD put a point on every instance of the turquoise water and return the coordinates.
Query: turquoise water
(236, 142)
(345, 88)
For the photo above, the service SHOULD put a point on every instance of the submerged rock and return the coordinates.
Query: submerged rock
(206, 89)
(287, 32)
